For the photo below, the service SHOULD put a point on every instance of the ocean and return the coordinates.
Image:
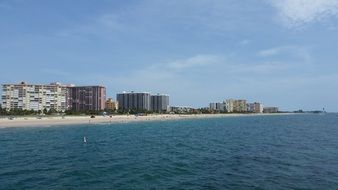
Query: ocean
(250, 152)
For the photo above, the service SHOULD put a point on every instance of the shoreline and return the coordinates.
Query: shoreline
(32, 121)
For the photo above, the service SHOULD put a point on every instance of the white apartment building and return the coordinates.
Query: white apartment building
(35, 96)
(229, 105)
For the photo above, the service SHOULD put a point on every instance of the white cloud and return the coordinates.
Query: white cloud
(111, 21)
(269, 52)
(244, 42)
(195, 61)
(296, 13)
(104, 25)
(297, 52)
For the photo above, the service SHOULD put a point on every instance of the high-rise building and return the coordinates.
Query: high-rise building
(111, 104)
(229, 105)
(37, 97)
(236, 105)
(221, 107)
(255, 107)
(212, 106)
(84, 98)
(134, 101)
(159, 103)
(240, 106)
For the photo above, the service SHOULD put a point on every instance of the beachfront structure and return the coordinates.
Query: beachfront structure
(255, 107)
(229, 105)
(221, 107)
(111, 104)
(270, 110)
(240, 106)
(181, 109)
(159, 103)
(87, 98)
(233, 105)
(212, 106)
(143, 101)
(37, 97)
(134, 101)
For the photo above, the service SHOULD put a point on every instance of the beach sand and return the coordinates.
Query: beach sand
(31, 121)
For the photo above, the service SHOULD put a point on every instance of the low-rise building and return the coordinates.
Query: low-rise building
(270, 110)
(181, 109)
(112, 105)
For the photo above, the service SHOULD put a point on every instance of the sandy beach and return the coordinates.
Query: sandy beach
(31, 121)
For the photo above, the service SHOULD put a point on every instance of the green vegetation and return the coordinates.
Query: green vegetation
(20, 112)
(17, 112)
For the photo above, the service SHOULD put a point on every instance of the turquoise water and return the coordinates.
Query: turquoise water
(263, 152)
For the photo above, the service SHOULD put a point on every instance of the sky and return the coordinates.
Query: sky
(278, 52)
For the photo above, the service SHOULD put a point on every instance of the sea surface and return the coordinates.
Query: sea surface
(252, 152)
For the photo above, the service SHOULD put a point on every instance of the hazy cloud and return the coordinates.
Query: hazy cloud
(195, 61)
(296, 13)
(105, 24)
(296, 52)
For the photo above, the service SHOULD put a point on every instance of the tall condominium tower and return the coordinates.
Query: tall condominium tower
(235, 105)
(255, 107)
(34, 96)
(83, 98)
(134, 101)
(159, 103)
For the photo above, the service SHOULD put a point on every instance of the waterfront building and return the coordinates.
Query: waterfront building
(212, 107)
(37, 97)
(270, 110)
(87, 98)
(240, 106)
(134, 101)
(233, 105)
(229, 105)
(255, 107)
(220, 107)
(111, 104)
(181, 109)
(159, 103)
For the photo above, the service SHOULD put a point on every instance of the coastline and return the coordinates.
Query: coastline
(78, 120)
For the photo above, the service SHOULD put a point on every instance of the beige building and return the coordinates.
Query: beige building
(35, 96)
(240, 106)
(255, 107)
(233, 105)
(111, 104)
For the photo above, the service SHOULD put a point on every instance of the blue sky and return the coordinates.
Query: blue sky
(279, 52)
